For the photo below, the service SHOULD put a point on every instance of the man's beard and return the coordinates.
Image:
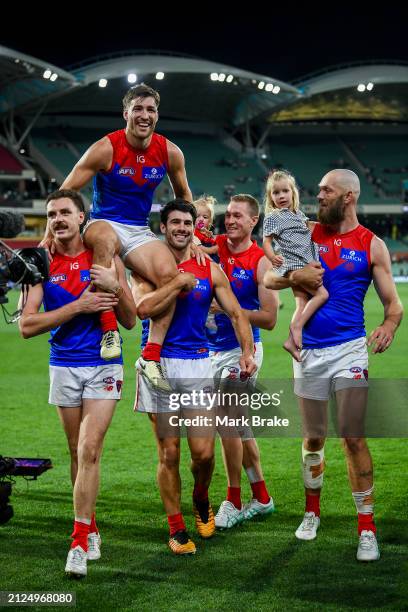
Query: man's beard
(333, 214)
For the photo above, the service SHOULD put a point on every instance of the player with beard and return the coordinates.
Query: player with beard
(127, 166)
(334, 355)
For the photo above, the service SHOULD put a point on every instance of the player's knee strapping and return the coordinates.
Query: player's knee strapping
(313, 468)
(364, 501)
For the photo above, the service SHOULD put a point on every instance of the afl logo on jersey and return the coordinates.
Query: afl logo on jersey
(58, 278)
(126, 171)
(323, 248)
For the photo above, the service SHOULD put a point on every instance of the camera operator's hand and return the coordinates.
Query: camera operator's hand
(92, 301)
(106, 279)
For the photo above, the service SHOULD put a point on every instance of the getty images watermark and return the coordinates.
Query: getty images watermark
(232, 407)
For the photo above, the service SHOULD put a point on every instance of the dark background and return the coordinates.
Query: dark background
(282, 40)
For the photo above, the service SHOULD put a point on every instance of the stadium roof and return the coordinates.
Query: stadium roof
(22, 80)
(374, 91)
(188, 91)
(194, 89)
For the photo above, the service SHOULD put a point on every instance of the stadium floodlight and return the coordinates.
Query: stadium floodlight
(269, 87)
(230, 78)
(22, 151)
(54, 76)
(261, 85)
(370, 86)
(103, 82)
(221, 77)
(214, 76)
(159, 76)
(276, 89)
(361, 87)
(47, 74)
(132, 77)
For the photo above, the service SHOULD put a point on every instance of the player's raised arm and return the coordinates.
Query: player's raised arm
(177, 173)
(383, 335)
(97, 157)
(239, 320)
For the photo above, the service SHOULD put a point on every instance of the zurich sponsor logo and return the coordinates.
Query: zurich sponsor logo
(126, 171)
(153, 174)
(356, 370)
(58, 278)
(323, 248)
(351, 255)
(85, 276)
(240, 274)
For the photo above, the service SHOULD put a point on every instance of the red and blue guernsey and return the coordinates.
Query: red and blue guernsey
(241, 270)
(347, 276)
(75, 343)
(124, 193)
(186, 337)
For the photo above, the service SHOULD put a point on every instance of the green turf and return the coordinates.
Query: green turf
(259, 565)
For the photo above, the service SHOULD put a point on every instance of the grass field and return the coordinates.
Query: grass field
(259, 565)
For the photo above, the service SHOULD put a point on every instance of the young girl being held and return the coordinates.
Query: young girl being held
(286, 224)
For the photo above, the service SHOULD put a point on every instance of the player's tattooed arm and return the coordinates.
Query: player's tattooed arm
(383, 335)
(177, 173)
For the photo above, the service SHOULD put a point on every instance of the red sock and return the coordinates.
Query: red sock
(366, 522)
(108, 321)
(151, 351)
(176, 523)
(80, 535)
(259, 491)
(92, 527)
(200, 492)
(234, 496)
(313, 503)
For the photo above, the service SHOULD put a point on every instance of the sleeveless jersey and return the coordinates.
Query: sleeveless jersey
(347, 276)
(124, 193)
(186, 338)
(241, 270)
(77, 342)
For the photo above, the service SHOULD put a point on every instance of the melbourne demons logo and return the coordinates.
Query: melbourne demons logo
(126, 171)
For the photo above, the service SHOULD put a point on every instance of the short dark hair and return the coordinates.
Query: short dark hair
(180, 205)
(67, 193)
(140, 91)
(253, 204)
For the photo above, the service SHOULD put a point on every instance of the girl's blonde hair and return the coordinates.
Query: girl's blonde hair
(278, 175)
(209, 202)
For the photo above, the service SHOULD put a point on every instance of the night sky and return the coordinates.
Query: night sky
(268, 41)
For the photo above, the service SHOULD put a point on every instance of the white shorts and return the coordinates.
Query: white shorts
(324, 371)
(225, 364)
(69, 386)
(131, 236)
(186, 377)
